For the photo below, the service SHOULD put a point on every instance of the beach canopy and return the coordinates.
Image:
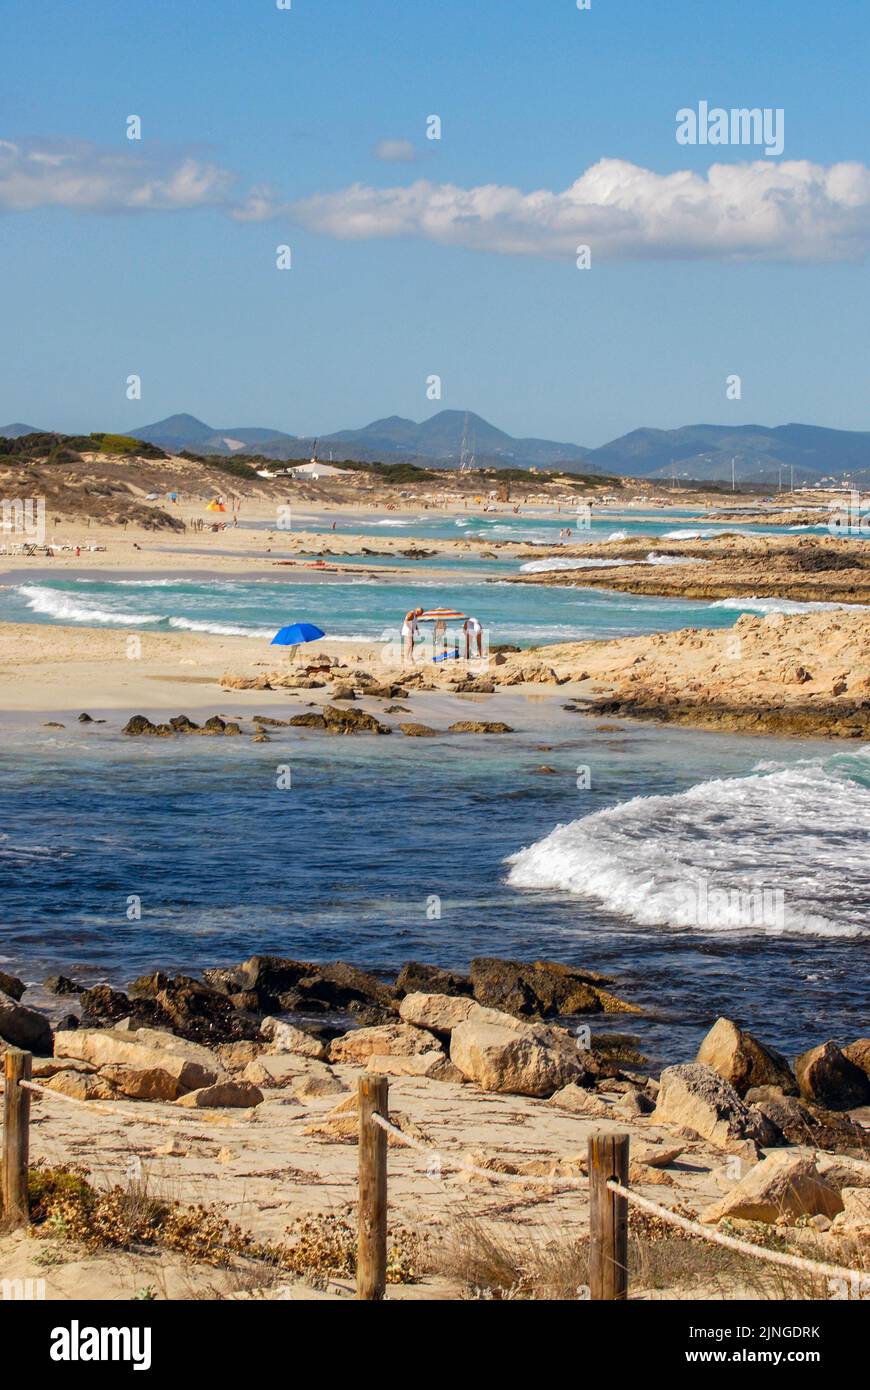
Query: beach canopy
(440, 615)
(294, 634)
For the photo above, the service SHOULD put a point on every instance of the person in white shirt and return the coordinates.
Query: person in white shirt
(410, 628)
(473, 637)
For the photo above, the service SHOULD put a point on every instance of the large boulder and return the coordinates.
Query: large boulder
(223, 1095)
(743, 1060)
(781, 1189)
(285, 1037)
(185, 1065)
(503, 1054)
(697, 1098)
(388, 1040)
(801, 1122)
(541, 989)
(439, 1013)
(827, 1076)
(24, 1027)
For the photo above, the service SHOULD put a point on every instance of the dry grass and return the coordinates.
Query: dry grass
(487, 1262)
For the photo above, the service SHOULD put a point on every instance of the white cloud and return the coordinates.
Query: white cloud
(395, 151)
(89, 178)
(760, 211)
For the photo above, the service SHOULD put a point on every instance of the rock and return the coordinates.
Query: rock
(697, 1098)
(782, 1188)
(743, 1060)
(143, 1083)
(418, 731)
(303, 1077)
(541, 988)
(341, 721)
(57, 984)
(653, 1156)
(50, 1066)
(147, 1050)
(11, 986)
(502, 1054)
(193, 1009)
(80, 1085)
(24, 1027)
(311, 1087)
(138, 724)
(439, 1013)
(825, 1074)
(855, 1215)
(858, 1053)
(433, 1065)
(241, 1095)
(580, 1102)
(635, 1102)
(390, 1040)
(284, 1037)
(281, 985)
(801, 1122)
(479, 726)
(235, 1056)
(415, 977)
(102, 1004)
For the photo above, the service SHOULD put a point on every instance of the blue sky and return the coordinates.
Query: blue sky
(261, 127)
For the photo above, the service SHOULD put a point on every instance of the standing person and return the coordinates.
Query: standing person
(410, 628)
(473, 637)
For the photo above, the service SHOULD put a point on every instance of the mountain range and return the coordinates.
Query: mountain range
(804, 453)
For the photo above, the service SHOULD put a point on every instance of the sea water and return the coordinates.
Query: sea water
(120, 856)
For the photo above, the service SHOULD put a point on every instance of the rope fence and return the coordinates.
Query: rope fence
(606, 1180)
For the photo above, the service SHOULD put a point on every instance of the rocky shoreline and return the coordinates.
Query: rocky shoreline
(507, 1028)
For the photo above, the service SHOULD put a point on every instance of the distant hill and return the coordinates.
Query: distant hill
(16, 431)
(179, 432)
(394, 439)
(760, 454)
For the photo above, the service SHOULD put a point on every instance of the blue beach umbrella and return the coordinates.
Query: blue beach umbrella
(296, 633)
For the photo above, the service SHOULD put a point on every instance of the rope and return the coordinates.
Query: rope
(493, 1174)
(744, 1247)
(117, 1111)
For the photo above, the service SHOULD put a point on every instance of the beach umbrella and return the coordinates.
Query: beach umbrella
(296, 633)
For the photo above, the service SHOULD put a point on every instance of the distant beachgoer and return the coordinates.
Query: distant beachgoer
(473, 637)
(78, 551)
(410, 628)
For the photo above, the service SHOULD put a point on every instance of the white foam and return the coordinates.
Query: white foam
(618, 536)
(55, 604)
(220, 629)
(546, 566)
(784, 605)
(797, 831)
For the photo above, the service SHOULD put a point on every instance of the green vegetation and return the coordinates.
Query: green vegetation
(236, 467)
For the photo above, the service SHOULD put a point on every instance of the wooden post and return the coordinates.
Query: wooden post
(16, 1137)
(608, 1217)
(371, 1260)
